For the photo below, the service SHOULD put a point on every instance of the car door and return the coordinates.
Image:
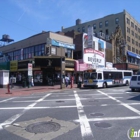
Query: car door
(133, 82)
(138, 82)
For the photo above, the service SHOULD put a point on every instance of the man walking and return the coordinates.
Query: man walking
(67, 80)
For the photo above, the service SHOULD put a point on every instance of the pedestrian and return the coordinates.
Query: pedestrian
(32, 82)
(12, 81)
(67, 80)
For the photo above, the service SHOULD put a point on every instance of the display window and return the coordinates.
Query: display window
(38, 78)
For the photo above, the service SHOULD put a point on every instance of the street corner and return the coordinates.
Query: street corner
(41, 128)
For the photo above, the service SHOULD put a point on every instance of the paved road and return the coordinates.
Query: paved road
(86, 114)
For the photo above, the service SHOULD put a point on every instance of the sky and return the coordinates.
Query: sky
(21, 19)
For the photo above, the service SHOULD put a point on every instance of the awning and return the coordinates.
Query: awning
(133, 54)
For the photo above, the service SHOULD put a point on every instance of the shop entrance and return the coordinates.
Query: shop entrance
(48, 76)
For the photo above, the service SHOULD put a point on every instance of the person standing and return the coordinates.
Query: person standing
(32, 82)
(12, 81)
(67, 80)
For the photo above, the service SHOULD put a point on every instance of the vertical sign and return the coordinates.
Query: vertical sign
(90, 37)
(30, 69)
(21, 54)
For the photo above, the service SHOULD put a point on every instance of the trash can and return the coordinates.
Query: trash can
(24, 84)
(79, 84)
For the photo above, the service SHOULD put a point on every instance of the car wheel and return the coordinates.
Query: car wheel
(132, 89)
(104, 85)
(127, 83)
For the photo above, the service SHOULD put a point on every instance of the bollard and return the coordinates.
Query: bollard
(72, 81)
(8, 88)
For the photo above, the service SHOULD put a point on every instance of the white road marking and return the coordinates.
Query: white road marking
(132, 92)
(115, 93)
(7, 100)
(84, 90)
(15, 117)
(16, 108)
(124, 104)
(112, 119)
(104, 105)
(55, 100)
(84, 124)
(107, 98)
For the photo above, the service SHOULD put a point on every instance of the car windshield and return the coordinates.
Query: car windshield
(93, 75)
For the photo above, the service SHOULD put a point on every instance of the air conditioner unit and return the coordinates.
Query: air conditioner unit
(101, 35)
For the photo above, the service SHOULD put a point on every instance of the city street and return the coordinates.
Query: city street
(76, 114)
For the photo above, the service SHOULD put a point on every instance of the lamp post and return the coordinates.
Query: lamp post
(61, 78)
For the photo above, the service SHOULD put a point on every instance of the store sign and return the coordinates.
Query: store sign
(69, 63)
(30, 69)
(13, 65)
(23, 65)
(94, 55)
(62, 44)
(90, 37)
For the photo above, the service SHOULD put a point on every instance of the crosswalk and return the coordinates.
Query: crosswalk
(114, 103)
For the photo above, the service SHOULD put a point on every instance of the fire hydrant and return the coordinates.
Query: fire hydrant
(8, 88)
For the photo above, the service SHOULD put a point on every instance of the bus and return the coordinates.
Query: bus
(105, 77)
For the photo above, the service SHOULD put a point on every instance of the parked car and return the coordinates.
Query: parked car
(135, 82)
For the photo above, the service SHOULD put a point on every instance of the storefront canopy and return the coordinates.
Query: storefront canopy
(133, 54)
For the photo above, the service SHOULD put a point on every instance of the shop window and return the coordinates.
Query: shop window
(10, 54)
(40, 50)
(68, 53)
(129, 59)
(17, 55)
(28, 52)
(38, 78)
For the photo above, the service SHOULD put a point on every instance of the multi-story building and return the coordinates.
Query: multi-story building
(106, 25)
(46, 51)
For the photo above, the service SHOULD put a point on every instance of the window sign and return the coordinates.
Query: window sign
(53, 50)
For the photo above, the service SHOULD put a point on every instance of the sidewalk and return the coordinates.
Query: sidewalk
(20, 91)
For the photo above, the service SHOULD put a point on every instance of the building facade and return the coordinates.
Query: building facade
(104, 27)
(51, 55)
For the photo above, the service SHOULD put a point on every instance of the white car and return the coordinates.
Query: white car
(135, 82)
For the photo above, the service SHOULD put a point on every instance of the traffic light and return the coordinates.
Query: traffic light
(47, 50)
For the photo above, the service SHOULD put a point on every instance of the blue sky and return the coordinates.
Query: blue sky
(23, 18)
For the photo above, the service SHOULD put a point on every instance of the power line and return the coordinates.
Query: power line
(18, 24)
